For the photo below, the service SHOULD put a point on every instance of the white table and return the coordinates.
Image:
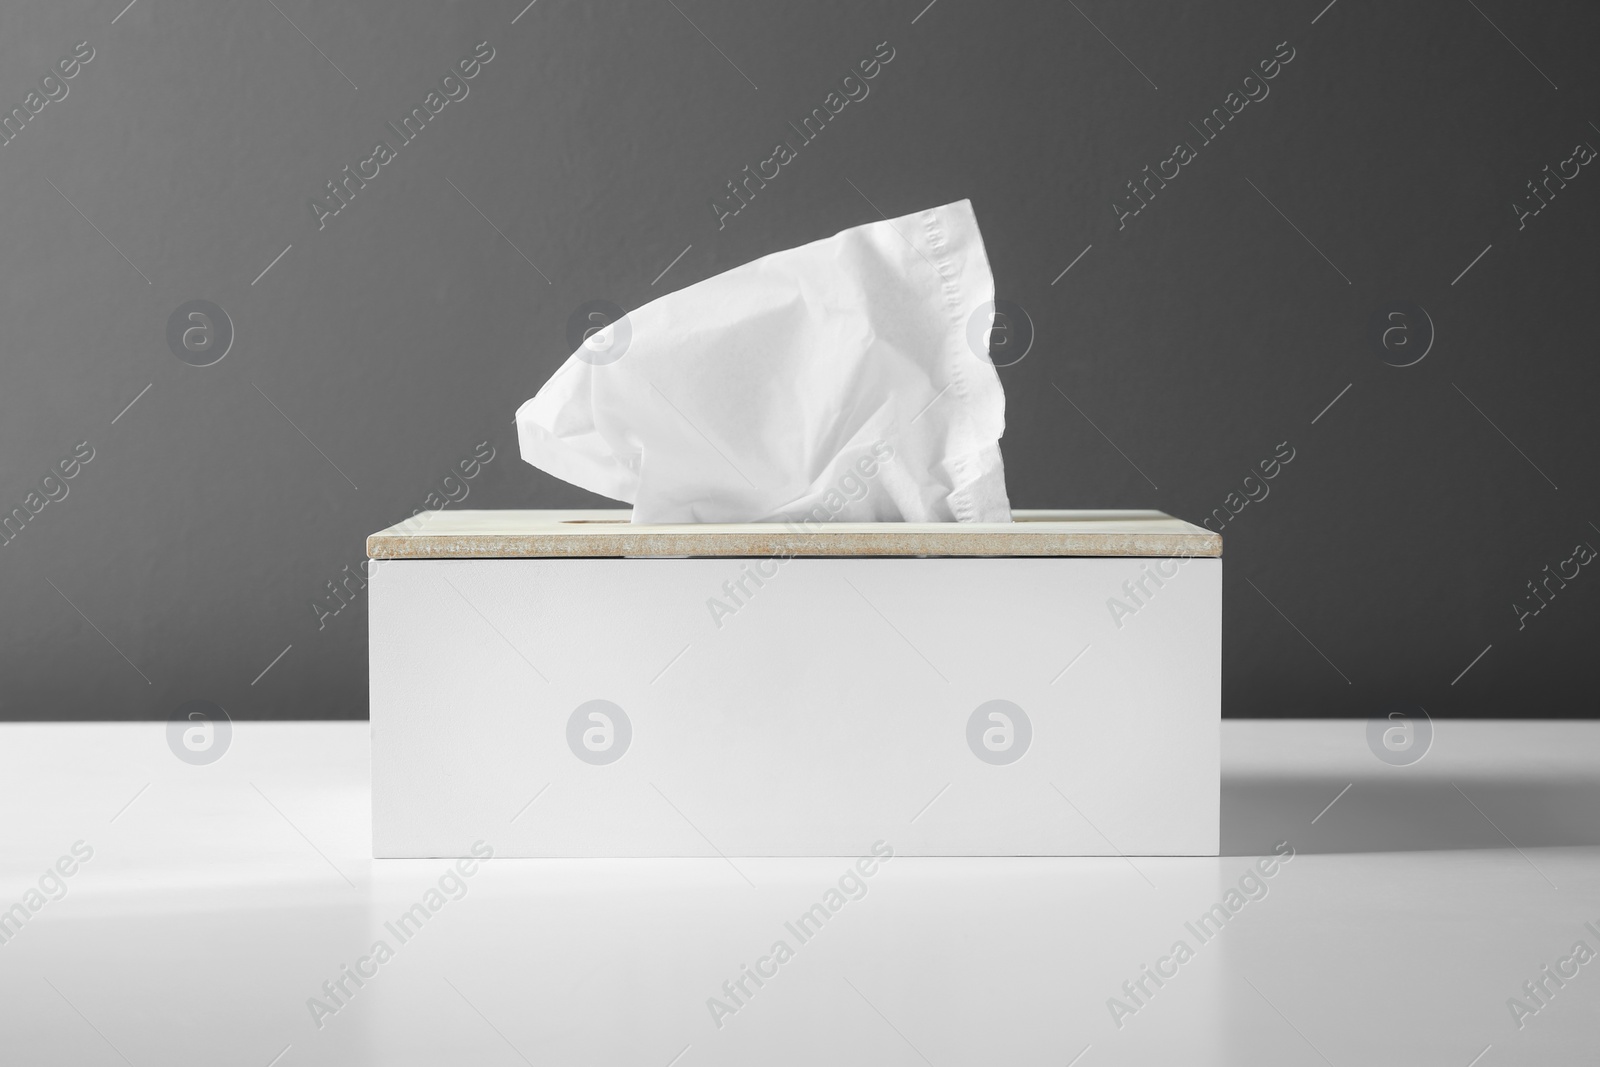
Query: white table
(220, 898)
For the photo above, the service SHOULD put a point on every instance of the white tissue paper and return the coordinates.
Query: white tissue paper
(844, 380)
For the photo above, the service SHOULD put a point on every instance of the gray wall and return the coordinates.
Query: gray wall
(1217, 323)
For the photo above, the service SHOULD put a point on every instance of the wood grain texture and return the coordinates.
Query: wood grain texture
(608, 533)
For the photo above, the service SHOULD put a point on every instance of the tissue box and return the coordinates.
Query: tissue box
(570, 684)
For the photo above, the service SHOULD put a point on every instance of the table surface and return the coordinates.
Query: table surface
(219, 899)
(607, 532)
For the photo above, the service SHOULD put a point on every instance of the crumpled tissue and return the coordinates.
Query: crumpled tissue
(846, 380)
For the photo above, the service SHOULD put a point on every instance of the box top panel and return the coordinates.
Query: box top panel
(517, 534)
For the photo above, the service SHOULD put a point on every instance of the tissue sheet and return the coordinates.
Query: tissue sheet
(845, 380)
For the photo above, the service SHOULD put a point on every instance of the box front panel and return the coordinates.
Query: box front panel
(622, 707)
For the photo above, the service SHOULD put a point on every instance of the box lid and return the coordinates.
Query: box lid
(517, 534)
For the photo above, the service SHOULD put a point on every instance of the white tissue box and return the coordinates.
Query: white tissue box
(569, 684)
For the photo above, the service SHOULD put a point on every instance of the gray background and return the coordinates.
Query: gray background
(189, 552)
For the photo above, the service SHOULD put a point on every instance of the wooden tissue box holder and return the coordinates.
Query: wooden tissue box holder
(565, 683)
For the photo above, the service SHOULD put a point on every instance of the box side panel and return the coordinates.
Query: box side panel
(805, 707)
